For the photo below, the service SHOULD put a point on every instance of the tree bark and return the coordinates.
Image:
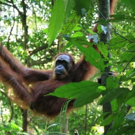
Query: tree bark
(86, 118)
(25, 122)
(25, 28)
(104, 13)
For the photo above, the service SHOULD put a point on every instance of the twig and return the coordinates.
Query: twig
(11, 31)
(128, 50)
(39, 49)
(3, 3)
(20, 13)
(120, 34)
(128, 63)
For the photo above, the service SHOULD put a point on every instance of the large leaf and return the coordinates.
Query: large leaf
(60, 11)
(57, 18)
(112, 82)
(74, 90)
(120, 116)
(84, 92)
(70, 24)
(103, 49)
(86, 98)
(118, 119)
(69, 4)
(90, 53)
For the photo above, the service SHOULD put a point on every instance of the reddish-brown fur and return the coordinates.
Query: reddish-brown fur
(112, 6)
(30, 85)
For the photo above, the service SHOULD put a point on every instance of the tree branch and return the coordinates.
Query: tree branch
(39, 49)
(39, 62)
(128, 63)
(11, 31)
(13, 5)
(3, 3)
(20, 13)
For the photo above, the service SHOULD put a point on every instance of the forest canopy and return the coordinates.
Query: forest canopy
(34, 31)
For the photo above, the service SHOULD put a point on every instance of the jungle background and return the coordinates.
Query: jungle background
(34, 31)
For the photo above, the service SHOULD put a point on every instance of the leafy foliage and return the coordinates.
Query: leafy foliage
(70, 22)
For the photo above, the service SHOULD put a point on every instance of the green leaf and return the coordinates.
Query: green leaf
(126, 96)
(57, 19)
(75, 90)
(90, 53)
(86, 98)
(69, 26)
(119, 42)
(84, 92)
(109, 119)
(14, 127)
(121, 17)
(118, 119)
(103, 49)
(130, 4)
(128, 56)
(102, 87)
(122, 130)
(114, 105)
(77, 28)
(131, 102)
(81, 4)
(131, 131)
(60, 11)
(112, 82)
(77, 34)
(113, 94)
(69, 5)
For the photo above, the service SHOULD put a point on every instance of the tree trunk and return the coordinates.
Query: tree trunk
(104, 13)
(25, 122)
(25, 35)
(86, 118)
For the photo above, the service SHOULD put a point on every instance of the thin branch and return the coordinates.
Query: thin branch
(8, 1)
(20, 13)
(12, 110)
(35, 16)
(128, 63)
(3, 3)
(120, 34)
(16, 31)
(133, 51)
(11, 31)
(39, 62)
(13, 5)
(45, 46)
